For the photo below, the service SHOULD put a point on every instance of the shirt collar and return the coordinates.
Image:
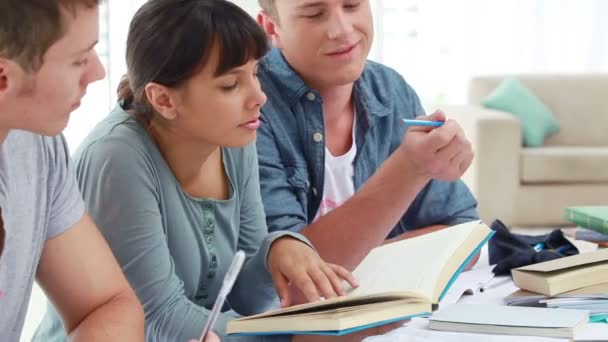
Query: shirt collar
(291, 84)
(366, 99)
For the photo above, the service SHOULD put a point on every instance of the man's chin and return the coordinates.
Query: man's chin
(51, 133)
(52, 129)
(345, 76)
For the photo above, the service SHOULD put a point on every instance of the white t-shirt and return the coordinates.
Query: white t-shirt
(338, 184)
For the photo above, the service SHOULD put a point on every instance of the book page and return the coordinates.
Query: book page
(411, 265)
(469, 282)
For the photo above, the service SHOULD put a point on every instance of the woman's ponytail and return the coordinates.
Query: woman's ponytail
(124, 91)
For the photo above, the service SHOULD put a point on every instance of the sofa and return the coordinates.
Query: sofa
(531, 186)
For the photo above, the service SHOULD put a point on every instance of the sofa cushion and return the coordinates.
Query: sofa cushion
(537, 120)
(577, 100)
(564, 165)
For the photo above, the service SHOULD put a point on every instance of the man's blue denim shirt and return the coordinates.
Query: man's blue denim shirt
(291, 147)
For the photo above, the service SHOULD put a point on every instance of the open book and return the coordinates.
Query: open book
(397, 281)
(565, 274)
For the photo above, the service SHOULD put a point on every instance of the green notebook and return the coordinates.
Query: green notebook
(590, 217)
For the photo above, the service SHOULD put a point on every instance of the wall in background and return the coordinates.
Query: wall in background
(438, 45)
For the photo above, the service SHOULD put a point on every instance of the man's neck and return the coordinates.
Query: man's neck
(338, 117)
(337, 100)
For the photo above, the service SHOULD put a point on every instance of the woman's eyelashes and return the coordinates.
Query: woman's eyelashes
(230, 85)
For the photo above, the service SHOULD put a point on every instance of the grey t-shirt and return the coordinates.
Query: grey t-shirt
(173, 248)
(39, 198)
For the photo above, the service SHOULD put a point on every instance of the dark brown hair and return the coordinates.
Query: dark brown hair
(28, 28)
(170, 40)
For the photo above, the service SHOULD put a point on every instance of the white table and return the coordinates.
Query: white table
(417, 330)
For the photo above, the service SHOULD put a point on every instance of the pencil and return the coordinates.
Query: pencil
(422, 123)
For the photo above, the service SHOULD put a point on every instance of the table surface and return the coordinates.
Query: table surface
(417, 329)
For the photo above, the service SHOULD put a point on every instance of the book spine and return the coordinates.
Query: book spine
(588, 222)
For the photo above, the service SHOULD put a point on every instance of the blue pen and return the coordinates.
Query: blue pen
(422, 123)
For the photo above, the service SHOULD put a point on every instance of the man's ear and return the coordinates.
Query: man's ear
(162, 99)
(11, 77)
(270, 26)
(3, 75)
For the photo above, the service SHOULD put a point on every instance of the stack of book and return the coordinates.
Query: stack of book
(575, 282)
(592, 298)
(592, 222)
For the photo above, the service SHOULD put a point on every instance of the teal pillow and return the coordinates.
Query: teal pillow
(537, 120)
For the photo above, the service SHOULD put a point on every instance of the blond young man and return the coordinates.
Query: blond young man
(336, 162)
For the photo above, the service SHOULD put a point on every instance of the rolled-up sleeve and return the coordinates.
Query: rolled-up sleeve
(439, 203)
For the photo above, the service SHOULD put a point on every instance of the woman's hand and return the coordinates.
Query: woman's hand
(292, 262)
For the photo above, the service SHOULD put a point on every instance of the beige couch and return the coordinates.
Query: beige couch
(532, 186)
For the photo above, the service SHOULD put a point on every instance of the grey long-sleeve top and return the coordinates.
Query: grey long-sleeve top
(173, 248)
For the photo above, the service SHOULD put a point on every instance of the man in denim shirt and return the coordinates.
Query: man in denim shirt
(332, 137)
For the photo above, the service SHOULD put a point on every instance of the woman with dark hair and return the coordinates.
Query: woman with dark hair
(171, 175)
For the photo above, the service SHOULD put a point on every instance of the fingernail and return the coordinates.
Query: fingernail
(283, 302)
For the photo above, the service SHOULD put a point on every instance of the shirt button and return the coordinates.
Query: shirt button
(311, 96)
(314, 191)
(208, 239)
(209, 223)
(317, 137)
